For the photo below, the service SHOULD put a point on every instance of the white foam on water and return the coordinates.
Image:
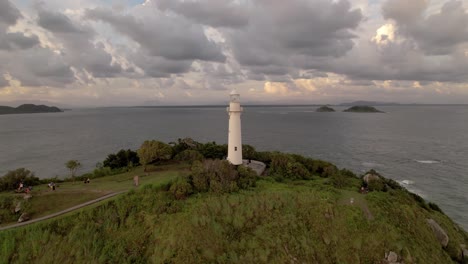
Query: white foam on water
(427, 161)
(406, 182)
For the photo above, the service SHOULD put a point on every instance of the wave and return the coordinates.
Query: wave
(406, 182)
(428, 161)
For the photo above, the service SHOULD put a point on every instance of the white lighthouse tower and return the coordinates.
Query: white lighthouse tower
(235, 139)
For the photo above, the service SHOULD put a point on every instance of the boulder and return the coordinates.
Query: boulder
(464, 253)
(440, 233)
(24, 217)
(370, 177)
(18, 207)
(392, 257)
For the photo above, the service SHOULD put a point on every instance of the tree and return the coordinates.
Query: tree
(123, 158)
(73, 166)
(152, 151)
(11, 180)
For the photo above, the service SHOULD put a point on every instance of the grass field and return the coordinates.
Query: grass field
(45, 201)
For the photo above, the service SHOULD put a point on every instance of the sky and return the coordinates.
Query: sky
(189, 52)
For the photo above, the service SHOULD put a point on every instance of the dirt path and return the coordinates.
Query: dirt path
(62, 212)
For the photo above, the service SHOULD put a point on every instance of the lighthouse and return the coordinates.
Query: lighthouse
(235, 138)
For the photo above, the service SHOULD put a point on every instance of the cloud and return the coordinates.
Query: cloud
(3, 82)
(80, 48)
(165, 36)
(17, 40)
(9, 14)
(214, 13)
(440, 33)
(29, 68)
(281, 31)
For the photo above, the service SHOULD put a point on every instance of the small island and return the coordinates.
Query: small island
(325, 109)
(28, 109)
(362, 109)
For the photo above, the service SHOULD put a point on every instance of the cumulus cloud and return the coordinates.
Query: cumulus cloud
(9, 14)
(436, 34)
(281, 31)
(214, 13)
(165, 36)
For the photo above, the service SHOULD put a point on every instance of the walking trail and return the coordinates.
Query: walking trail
(62, 212)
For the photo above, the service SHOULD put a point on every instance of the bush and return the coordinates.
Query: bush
(435, 207)
(247, 177)
(122, 159)
(376, 185)
(211, 150)
(11, 179)
(189, 155)
(339, 180)
(181, 189)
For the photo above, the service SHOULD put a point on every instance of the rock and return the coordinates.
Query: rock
(464, 253)
(27, 196)
(392, 257)
(18, 207)
(24, 217)
(440, 233)
(370, 177)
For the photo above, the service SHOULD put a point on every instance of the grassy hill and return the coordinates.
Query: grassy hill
(293, 221)
(302, 211)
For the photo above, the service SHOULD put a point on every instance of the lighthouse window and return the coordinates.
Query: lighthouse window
(235, 148)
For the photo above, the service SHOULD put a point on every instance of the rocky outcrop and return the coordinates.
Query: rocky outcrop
(440, 233)
(391, 258)
(370, 177)
(24, 217)
(18, 207)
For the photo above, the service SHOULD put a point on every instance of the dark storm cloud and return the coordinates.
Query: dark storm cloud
(166, 36)
(3, 82)
(16, 40)
(437, 34)
(214, 13)
(159, 67)
(57, 22)
(282, 30)
(9, 14)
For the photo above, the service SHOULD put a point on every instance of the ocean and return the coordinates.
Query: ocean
(424, 147)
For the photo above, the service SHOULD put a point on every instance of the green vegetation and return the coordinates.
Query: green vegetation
(303, 211)
(28, 109)
(122, 159)
(362, 109)
(324, 109)
(152, 151)
(73, 166)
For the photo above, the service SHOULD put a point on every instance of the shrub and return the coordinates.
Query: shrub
(123, 158)
(339, 180)
(376, 185)
(189, 155)
(435, 207)
(11, 179)
(247, 177)
(181, 189)
(211, 150)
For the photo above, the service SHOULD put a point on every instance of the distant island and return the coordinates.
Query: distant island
(28, 109)
(362, 109)
(374, 103)
(325, 109)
